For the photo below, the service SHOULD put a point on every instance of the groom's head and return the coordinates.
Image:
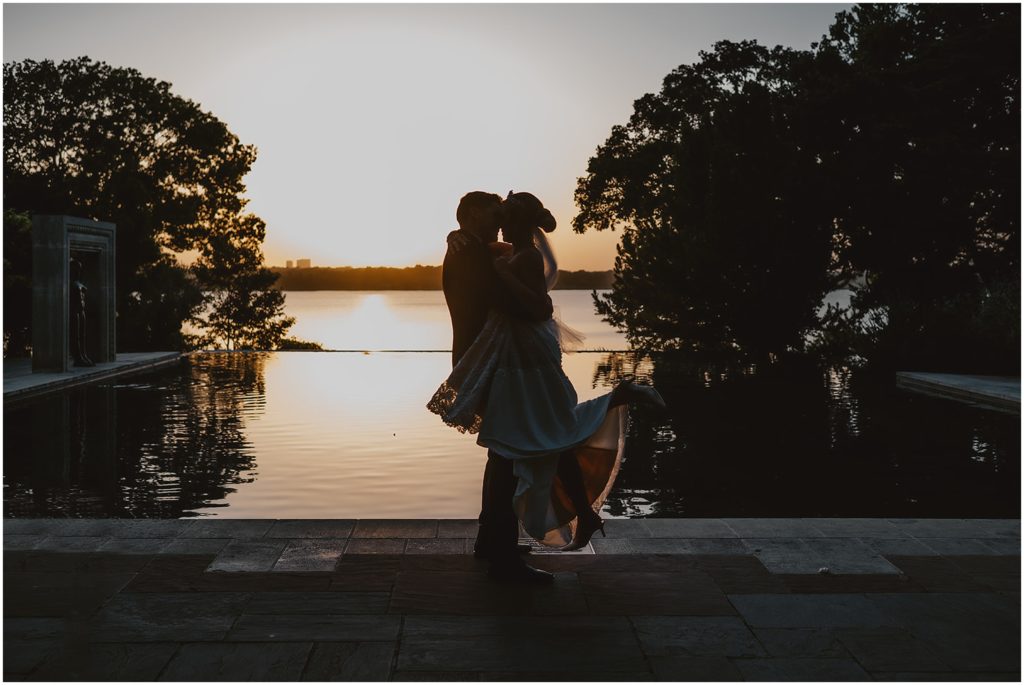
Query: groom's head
(479, 213)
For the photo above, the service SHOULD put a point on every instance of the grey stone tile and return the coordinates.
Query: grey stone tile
(899, 547)
(199, 546)
(395, 528)
(850, 555)
(970, 631)
(349, 661)
(694, 669)
(22, 656)
(71, 544)
(167, 617)
(803, 670)
(949, 528)
(248, 556)
(228, 661)
(801, 642)
(314, 628)
(46, 593)
(33, 628)
(809, 555)
(315, 603)
(457, 528)
(32, 526)
(435, 546)
(810, 611)
(312, 528)
(107, 662)
(375, 546)
(310, 555)
(612, 546)
(134, 545)
(889, 649)
(688, 546)
(957, 546)
(228, 528)
(857, 528)
(627, 528)
(17, 543)
(1004, 546)
(696, 636)
(448, 677)
(688, 528)
(952, 676)
(1008, 528)
(122, 528)
(773, 528)
(499, 644)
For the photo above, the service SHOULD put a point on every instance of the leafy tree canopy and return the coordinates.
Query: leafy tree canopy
(84, 138)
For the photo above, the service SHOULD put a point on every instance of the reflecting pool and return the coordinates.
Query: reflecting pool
(346, 435)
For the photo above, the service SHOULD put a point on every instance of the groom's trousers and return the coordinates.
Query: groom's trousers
(499, 528)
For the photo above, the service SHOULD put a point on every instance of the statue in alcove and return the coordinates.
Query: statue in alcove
(77, 294)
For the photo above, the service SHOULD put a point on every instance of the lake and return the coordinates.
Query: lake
(347, 434)
(416, 319)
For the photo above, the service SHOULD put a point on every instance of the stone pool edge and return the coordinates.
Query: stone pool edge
(783, 545)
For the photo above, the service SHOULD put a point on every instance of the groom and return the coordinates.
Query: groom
(471, 288)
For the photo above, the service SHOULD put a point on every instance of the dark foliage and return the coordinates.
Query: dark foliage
(757, 179)
(87, 139)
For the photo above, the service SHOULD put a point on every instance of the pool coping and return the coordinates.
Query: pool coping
(783, 545)
(991, 392)
(20, 383)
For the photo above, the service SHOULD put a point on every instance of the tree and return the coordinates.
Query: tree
(927, 158)
(727, 239)
(87, 139)
(242, 309)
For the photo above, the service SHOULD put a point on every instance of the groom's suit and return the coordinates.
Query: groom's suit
(471, 288)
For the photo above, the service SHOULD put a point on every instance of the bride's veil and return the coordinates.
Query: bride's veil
(550, 263)
(569, 339)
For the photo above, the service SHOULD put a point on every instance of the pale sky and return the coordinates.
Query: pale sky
(372, 120)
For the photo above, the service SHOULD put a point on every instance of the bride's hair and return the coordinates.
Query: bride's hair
(524, 209)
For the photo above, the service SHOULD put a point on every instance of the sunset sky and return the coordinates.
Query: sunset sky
(372, 120)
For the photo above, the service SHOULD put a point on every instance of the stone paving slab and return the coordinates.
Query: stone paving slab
(999, 392)
(21, 383)
(438, 617)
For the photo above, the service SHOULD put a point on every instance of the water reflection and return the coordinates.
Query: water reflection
(316, 435)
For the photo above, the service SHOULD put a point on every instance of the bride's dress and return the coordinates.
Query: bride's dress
(509, 388)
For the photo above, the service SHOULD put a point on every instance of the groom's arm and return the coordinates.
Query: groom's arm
(509, 295)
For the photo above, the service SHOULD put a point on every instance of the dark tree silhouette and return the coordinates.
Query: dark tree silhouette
(925, 152)
(85, 138)
(756, 178)
(727, 239)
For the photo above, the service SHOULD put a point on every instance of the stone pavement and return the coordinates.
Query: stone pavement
(993, 392)
(658, 599)
(20, 383)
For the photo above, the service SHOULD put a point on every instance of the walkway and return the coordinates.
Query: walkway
(659, 599)
(20, 383)
(994, 392)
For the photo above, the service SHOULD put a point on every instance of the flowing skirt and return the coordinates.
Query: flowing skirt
(510, 390)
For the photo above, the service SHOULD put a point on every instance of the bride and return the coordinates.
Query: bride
(509, 388)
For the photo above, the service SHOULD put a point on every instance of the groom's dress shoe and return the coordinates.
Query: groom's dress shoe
(519, 572)
(482, 553)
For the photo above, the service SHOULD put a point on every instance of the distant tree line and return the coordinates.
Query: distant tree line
(408, 278)
(758, 179)
(101, 142)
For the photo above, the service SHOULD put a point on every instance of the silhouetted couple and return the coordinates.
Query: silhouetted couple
(551, 460)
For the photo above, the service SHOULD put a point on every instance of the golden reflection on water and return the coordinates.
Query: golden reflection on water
(348, 435)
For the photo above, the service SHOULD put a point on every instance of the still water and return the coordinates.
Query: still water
(343, 434)
(416, 319)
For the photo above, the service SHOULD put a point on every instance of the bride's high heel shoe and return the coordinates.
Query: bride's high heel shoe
(584, 531)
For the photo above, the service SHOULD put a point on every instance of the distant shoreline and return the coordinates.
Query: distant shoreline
(408, 278)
